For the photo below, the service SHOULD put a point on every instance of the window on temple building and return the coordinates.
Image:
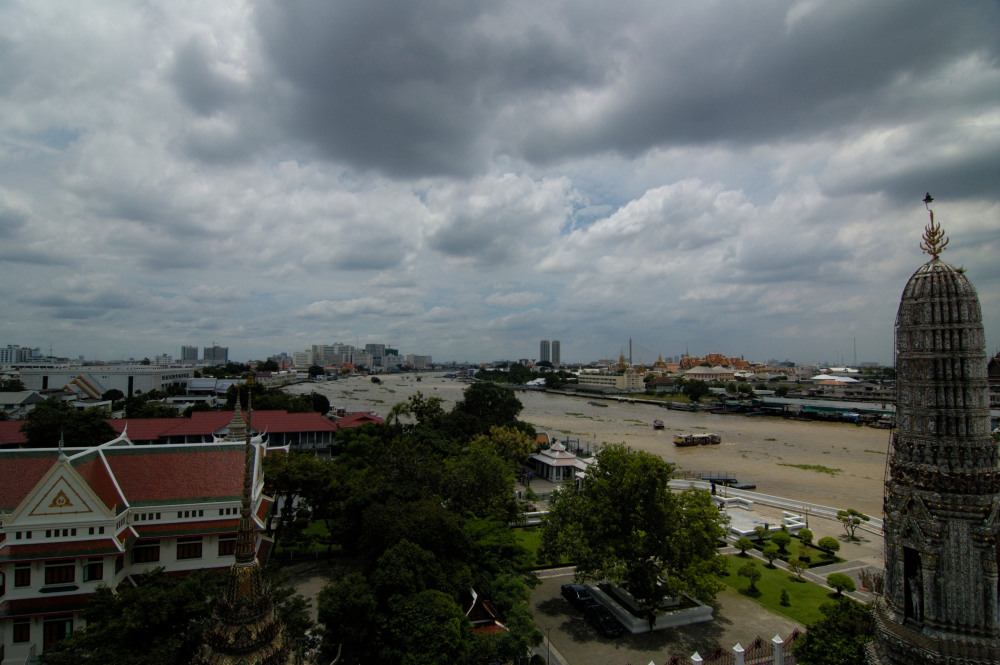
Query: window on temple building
(55, 629)
(22, 574)
(60, 573)
(146, 551)
(93, 570)
(227, 545)
(22, 631)
(189, 548)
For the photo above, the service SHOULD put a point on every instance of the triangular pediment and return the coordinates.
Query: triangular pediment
(912, 534)
(913, 506)
(60, 492)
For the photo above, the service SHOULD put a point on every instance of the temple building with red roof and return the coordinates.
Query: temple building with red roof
(73, 519)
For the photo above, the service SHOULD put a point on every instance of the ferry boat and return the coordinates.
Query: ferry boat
(697, 439)
(657, 424)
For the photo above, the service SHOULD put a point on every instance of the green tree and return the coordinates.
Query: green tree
(509, 443)
(625, 524)
(829, 545)
(797, 566)
(54, 419)
(316, 370)
(770, 553)
(320, 403)
(781, 539)
(840, 583)
(160, 620)
(489, 405)
(851, 519)
(743, 544)
(268, 366)
(11, 386)
(750, 571)
(839, 638)
(806, 536)
(481, 482)
(695, 390)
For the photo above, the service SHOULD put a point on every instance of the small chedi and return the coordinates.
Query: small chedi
(942, 489)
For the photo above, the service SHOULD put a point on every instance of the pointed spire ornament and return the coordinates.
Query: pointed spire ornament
(934, 240)
(246, 629)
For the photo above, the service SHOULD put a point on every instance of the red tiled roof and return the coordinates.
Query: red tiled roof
(28, 607)
(206, 422)
(20, 472)
(11, 434)
(96, 473)
(358, 419)
(187, 528)
(144, 429)
(263, 509)
(57, 549)
(187, 473)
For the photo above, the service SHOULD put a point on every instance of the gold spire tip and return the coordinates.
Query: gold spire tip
(934, 239)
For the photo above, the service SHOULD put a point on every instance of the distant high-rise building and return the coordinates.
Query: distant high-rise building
(189, 354)
(215, 355)
(556, 360)
(544, 353)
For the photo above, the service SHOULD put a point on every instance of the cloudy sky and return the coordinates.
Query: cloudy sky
(463, 179)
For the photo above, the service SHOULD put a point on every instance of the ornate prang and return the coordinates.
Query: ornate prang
(940, 598)
(934, 239)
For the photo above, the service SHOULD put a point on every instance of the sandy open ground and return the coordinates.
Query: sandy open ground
(848, 461)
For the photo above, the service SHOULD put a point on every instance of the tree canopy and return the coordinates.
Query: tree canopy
(838, 638)
(54, 419)
(625, 524)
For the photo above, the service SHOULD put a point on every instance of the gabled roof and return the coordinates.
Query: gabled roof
(357, 419)
(21, 397)
(94, 470)
(178, 473)
(20, 471)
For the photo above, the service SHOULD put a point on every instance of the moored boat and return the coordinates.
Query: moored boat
(657, 424)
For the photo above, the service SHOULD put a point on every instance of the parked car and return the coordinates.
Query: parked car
(577, 595)
(603, 620)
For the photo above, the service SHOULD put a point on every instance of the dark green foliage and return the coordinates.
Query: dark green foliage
(806, 536)
(421, 513)
(158, 622)
(316, 370)
(749, 571)
(13, 386)
(53, 418)
(625, 524)
(851, 519)
(840, 583)
(782, 540)
(770, 553)
(785, 598)
(828, 544)
(743, 544)
(695, 390)
(839, 638)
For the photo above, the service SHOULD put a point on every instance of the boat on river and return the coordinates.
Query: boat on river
(658, 424)
(592, 403)
(684, 440)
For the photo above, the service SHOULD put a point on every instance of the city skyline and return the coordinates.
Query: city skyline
(465, 181)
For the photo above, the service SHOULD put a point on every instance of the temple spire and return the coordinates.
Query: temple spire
(934, 240)
(246, 629)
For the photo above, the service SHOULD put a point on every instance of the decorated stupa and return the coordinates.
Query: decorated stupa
(940, 600)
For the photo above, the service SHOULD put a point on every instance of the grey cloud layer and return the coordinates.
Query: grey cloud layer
(463, 178)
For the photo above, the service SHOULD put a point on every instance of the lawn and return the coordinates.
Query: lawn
(805, 596)
(530, 537)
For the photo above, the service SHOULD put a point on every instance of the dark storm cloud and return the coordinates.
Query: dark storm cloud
(204, 91)
(408, 87)
(430, 88)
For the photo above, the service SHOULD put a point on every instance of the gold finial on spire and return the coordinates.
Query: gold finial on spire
(934, 238)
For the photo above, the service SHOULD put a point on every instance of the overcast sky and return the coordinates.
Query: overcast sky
(464, 179)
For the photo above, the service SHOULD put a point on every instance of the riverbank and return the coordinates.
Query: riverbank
(833, 464)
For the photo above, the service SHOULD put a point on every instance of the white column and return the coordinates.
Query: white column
(740, 654)
(696, 659)
(778, 650)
